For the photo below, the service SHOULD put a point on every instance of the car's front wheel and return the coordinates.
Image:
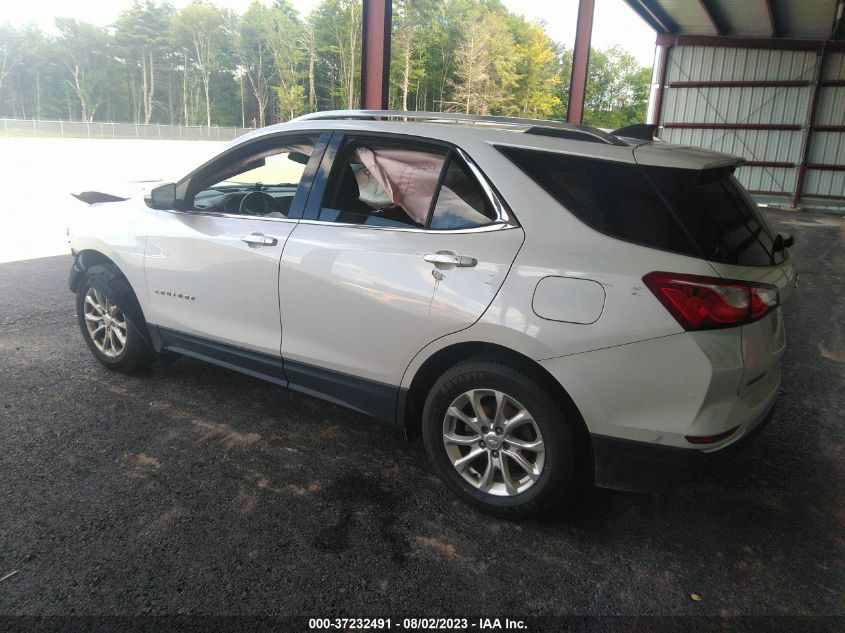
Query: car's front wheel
(498, 438)
(107, 325)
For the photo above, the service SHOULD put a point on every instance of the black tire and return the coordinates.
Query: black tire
(137, 353)
(556, 479)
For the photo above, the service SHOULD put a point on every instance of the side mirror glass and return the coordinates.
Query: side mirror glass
(162, 197)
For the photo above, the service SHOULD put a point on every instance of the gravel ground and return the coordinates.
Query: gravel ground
(194, 490)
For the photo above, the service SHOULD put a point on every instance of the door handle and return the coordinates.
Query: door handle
(448, 258)
(259, 239)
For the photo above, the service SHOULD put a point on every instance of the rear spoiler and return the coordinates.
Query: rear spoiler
(642, 131)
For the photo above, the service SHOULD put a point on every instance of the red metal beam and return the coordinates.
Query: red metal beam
(833, 83)
(742, 84)
(749, 42)
(580, 61)
(763, 192)
(734, 126)
(662, 71)
(767, 163)
(823, 196)
(375, 54)
(825, 166)
(829, 128)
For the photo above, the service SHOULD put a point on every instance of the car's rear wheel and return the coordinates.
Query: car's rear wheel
(498, 438)
(108, 325)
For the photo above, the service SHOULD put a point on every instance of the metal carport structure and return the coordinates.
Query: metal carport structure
(762, 79)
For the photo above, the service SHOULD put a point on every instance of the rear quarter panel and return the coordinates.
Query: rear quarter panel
(557, 244)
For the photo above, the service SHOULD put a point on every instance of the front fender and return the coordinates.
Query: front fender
(116, 233)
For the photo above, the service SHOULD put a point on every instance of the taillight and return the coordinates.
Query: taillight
(707, 303)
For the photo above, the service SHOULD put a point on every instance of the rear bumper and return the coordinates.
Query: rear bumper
(646, 467)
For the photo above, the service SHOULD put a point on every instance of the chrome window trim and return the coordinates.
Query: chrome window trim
(493, 198)
(493, 226)
(503, 220)
(216, 214)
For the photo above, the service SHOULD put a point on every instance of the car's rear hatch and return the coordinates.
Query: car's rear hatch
(734, 237)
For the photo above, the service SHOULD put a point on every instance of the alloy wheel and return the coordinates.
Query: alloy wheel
(493, 442)
(106, 323)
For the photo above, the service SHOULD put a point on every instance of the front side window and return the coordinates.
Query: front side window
(381, 185)
(261, 183)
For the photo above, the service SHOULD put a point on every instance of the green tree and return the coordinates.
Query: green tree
(205, 65)
(143, 38)
(84, 50)
(538, 71)
(337, 27)
(286, 43)
(617, 89)
(199, 30)
(485, 72)
(252, 42)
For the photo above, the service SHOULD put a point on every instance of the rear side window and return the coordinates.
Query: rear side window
(461, 203)
(379, 185)
(614, 198)
(719, 214)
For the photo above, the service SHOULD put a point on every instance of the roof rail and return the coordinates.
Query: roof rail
(541, 127)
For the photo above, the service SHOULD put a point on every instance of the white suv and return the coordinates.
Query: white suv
(541, 300)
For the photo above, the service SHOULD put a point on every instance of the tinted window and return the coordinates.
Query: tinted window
(614, 198)
(718, 213)
(382, 185)
(461, 203)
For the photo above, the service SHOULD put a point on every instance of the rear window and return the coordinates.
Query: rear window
(614, 198)
(702, 213)
(719, 214)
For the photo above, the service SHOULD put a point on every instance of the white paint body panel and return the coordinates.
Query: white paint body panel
(235, 284)
(366, 301)
(363, 302)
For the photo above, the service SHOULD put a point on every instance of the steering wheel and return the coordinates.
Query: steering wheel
(268, 204)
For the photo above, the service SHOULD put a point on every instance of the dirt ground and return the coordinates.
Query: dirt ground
(194, 490)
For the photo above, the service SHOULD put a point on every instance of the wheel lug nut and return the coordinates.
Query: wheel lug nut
(505, 445)
(499, 430)
(484, 429)
(495, 453)
(482, 444)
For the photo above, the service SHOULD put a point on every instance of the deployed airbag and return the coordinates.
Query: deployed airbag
(402, 178)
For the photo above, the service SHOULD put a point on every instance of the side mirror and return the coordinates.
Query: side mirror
(783, 240)
(162, 197)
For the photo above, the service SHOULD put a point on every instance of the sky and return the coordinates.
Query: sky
(614, 22)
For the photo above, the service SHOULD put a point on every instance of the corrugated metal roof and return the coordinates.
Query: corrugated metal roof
(751, 18)
(799, 19)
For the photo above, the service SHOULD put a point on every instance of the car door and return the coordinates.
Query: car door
(372, 285)
(212, 268)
